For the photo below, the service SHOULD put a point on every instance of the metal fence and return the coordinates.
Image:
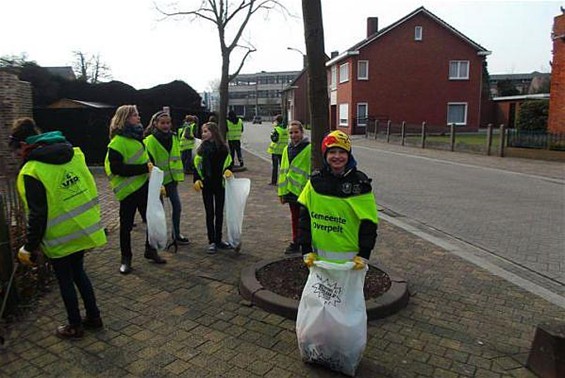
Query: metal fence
(539, 139)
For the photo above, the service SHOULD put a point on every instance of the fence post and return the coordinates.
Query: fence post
(388, 130)
(502, 140)
(376, 128)
(424, 134)
(452, 137)
(489, 138)
(403, 132)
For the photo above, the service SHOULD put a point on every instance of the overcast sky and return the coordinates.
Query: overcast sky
(143, 50)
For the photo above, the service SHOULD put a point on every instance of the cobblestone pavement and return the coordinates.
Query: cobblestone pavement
(186, 317)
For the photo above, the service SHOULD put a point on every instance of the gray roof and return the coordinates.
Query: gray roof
(519, 76)
(65, 72)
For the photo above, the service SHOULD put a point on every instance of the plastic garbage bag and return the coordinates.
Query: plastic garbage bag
(331, 325)
(237, 191)
(156, 220)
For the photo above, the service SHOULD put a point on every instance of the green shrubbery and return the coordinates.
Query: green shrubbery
(533, 115)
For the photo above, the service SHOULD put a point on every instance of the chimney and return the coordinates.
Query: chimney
(372, 26)
(334, 54)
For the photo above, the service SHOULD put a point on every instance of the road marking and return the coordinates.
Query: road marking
(466, 252)
(545, 178)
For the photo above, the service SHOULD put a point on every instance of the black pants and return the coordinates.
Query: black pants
(135, 201)
(235, 148)
(213, 198)
(69, 271)
(276, 160)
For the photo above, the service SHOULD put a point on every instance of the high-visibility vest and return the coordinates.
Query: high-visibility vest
(133, 152)
(276, 148)
(335, 222)
(234, 130)
(294, 175)
(187, 131)
(168, 161)
(198, 160)
(73, 211)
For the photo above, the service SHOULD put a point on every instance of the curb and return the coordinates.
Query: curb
(392, 301)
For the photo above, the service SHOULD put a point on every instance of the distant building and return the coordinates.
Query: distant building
(66, 72)
(556, 121)
(259, 93)
(523, 83)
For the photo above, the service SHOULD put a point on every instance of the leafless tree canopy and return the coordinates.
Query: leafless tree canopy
(90, 68)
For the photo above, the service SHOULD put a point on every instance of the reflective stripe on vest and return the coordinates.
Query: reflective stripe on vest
(234, 130)
(169, 162)
(293, 178)
(334, 256)
(73, 211)
(133, 152)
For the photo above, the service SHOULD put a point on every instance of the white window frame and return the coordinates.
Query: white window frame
(344, 114)
(359, 64)
(344, 73)
(458, 75)
(333, 84)
(418, 33)
(362, 116)
(466, 107)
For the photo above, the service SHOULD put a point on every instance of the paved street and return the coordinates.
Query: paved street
(510, 211)
(186, 318)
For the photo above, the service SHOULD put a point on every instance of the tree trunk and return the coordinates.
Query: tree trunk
(224, 94)
(317, 76)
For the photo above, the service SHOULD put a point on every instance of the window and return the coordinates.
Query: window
(457, 113)
(459, 70)
(334, 77)
(362, 114)
(418, 31)
(344, 73)
(343, 114)
(363, 70)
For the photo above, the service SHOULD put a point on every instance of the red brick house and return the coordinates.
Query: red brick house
(295, 99)
(418, 69)
(556, 121)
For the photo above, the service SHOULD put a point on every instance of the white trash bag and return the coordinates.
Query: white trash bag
(156, 220)
(331, 326)
(237, 191)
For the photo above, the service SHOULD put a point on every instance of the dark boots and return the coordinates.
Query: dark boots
(151, 254)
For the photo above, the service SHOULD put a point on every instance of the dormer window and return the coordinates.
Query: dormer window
(418, 32)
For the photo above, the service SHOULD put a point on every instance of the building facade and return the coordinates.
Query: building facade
(556, 121)
(259, 93)
(419, 69)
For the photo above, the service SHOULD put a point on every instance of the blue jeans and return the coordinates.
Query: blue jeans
(69, 271)
(173, 194)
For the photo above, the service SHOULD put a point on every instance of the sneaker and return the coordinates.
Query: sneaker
(92, 323)
(151, 254)
(181, 240)
(125, 269)
(70, 331)
(292, 248)
(212, 248)
(224, 245)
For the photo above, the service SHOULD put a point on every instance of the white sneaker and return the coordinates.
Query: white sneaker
(212, 248)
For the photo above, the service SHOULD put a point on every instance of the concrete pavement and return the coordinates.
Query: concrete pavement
(186, 317)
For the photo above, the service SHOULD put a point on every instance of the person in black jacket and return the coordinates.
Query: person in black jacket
(212, 165)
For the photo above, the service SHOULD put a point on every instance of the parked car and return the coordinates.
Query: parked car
(257, 119)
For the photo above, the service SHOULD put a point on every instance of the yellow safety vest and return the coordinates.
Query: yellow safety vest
(335, 222)
(198, 159)
(186, 131)
(169, 162)
(234, 130)
(133, 152)
(73, 211)
(293, 176)
(276, 148)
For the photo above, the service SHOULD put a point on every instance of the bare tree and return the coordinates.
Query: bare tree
(90, 68)
(228, 17)
(317, 76)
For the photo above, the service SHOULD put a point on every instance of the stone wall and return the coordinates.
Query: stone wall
(556, 121)
(15, 102)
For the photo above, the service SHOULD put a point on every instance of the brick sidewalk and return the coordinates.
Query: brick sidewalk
(186, 317)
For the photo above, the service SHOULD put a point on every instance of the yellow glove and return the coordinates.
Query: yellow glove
(309, 259)
(163, 192)
(25, 257)
(149, 168)
(198, 185)
(360, 262)
(227, 174)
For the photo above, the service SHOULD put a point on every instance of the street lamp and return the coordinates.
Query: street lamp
(301, 53)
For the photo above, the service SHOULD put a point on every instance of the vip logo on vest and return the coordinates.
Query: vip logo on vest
(328, 291)
(71, 184)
